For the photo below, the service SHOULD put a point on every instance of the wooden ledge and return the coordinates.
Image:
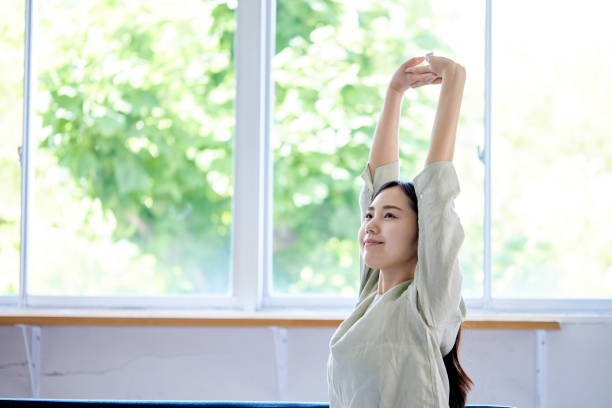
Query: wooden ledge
(88, 317)
(512, 324)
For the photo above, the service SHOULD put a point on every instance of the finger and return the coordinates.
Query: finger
(419, 70)
(425, 80)
(428, 77)
(420, 82)
(416, 76)
(413, 61)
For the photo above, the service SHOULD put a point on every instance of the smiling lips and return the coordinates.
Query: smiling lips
(370, 242)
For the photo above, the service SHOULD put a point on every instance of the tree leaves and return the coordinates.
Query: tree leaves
(147, 120)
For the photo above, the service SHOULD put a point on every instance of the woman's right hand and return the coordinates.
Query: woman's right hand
(441, 66)
(410, 76)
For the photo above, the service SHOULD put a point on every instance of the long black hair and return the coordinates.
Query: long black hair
(458, 380)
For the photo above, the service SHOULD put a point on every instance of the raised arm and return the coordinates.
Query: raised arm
(442, 146)
(385, 148)
(438, 278)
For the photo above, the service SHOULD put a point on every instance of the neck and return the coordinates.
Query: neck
(394, 275)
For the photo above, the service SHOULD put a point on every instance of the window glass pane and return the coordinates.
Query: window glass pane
(134, 148)
(331, 67)
(552, 156)
(12, 16)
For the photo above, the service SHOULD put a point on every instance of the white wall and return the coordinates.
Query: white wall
(209, 363)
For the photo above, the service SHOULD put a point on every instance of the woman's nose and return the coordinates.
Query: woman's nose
(370, 225)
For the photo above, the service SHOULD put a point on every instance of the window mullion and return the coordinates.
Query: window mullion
(25, 150)
(268, 202)
(247, 224)
(485, 157)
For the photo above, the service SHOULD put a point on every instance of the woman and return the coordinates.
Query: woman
(398, 348)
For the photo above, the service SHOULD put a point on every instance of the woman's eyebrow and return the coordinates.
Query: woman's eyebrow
(386, 206)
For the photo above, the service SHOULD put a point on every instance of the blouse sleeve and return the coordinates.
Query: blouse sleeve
(382, 174)
(438, 277)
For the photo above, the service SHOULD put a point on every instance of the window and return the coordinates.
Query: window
(332, 63)
(134, 155)
(131, 149)
(209, 154)
(11, 117)
(552, 156)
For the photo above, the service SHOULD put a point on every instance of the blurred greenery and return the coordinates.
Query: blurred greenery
(330, 73)
(140, 112)
(11, 117)
(551, 168)
(135, 103)
(134, 150)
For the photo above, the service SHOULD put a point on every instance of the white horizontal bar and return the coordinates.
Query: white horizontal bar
(137, 302)
(596, 307)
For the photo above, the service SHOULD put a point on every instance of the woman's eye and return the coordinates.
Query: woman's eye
(368, 215)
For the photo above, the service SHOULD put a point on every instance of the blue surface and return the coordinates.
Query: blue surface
(32, 402)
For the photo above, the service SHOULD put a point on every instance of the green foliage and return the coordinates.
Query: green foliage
(137, 132)
(137, 101)
(140, 112)
(330, 80)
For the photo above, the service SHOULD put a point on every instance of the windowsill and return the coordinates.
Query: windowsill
(313, 319)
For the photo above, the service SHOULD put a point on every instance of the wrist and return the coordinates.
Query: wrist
(454, 72)
(394, 94)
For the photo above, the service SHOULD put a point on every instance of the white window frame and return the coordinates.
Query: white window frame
(252, 238)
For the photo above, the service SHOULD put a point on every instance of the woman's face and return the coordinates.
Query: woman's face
(396, 227)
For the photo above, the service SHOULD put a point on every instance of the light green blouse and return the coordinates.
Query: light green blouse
(388, 353)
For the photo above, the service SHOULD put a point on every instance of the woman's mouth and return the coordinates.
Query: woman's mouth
(371, 243)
